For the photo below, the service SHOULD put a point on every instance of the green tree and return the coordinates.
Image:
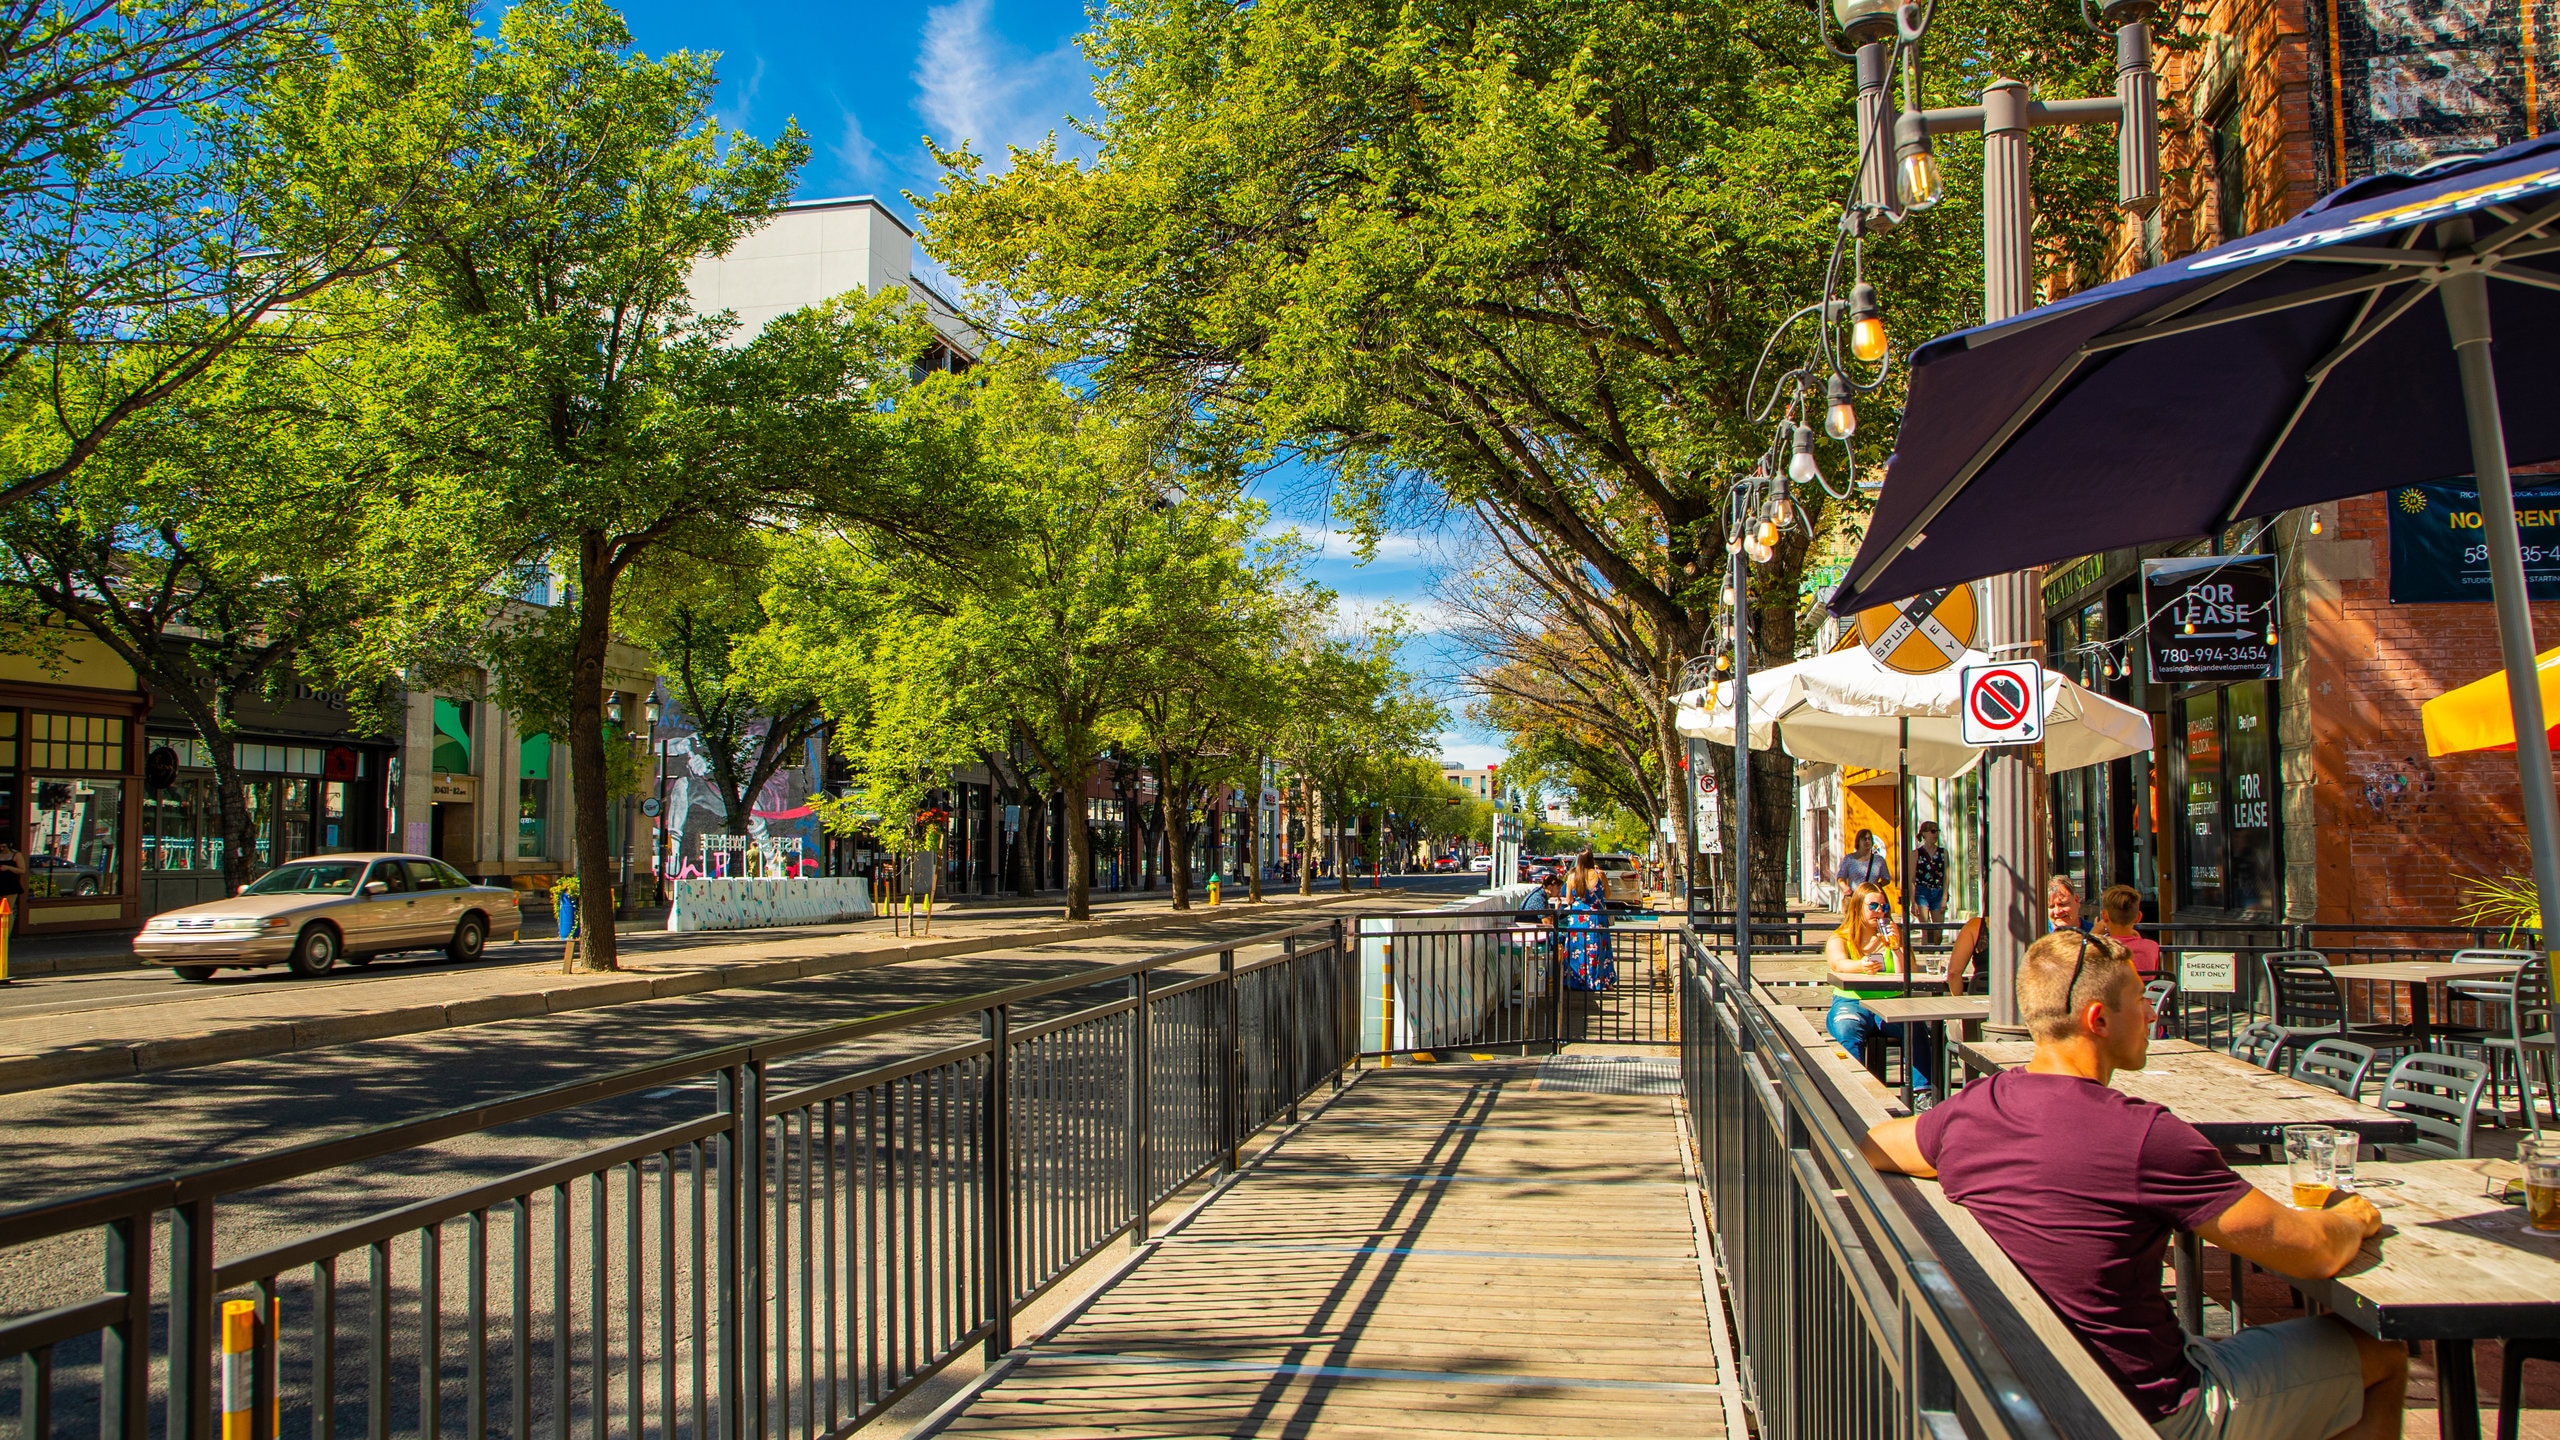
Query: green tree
(1522, 259)
(609, 420)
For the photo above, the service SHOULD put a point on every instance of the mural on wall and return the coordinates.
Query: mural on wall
(779, 811)
(2418, 80)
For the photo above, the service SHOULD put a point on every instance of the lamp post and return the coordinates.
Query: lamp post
(2015, 850)
(658, 837)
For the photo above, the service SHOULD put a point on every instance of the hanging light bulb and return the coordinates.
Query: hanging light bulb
(2315, 519)
(2191, 627)
(1723, 663)
(1728, 597)
(1801, 467)
(1766, 534)
(1783, 509)
(1916, 160)
(1840, 419)
(2271, 634)
(1759, 553)
(1867, 339)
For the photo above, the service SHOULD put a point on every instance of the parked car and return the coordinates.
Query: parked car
(308, 915)
(1482, 865)
(1622, 881)
(54, 875)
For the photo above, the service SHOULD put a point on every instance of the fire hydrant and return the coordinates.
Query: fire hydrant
(1213, 892)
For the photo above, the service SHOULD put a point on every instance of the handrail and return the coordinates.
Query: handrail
(207, 1182)
(1932, 1341)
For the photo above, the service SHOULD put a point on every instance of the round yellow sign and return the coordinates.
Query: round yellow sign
(1924, 634)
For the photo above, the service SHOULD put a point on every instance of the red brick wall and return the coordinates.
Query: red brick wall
(2394, 831)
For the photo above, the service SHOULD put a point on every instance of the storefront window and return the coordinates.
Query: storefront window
(294, 810)
(75, 742)
(533, 798)
(453, 737)
(169, 827)
(333, 816)
(75, 836)
(2248, 767)
(2200, 722)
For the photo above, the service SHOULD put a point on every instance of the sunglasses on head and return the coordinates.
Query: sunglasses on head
(2074, 987)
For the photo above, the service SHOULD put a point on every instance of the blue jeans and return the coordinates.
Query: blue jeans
(1851, 1024)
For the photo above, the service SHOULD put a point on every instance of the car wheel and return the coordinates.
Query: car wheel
(89, 886)
(194, 974)
(315, 952)
(469, 939)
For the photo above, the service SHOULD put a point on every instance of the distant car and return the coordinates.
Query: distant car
(1622, 882)
(307, 915)
(1482, 865)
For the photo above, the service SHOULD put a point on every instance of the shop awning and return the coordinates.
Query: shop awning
(2478, 716)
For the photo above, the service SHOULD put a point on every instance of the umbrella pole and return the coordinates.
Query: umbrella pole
(1742, 774)
(2466, 309)
(1902, 842)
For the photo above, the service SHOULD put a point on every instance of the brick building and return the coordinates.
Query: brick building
(2275, 103)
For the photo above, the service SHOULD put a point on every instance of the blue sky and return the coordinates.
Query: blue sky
(868, 82)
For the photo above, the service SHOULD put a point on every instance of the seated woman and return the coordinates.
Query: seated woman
(1861, 953)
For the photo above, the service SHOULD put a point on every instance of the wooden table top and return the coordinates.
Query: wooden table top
(2454, 1264)
(2232, 1101)
(1923, 1008)
(2419, 972)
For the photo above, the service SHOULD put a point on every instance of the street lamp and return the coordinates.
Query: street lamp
(658, 841)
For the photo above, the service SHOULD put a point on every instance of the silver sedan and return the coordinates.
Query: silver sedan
(308, 915)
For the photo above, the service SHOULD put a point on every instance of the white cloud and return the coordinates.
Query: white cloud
(855, 152)
(739, 111)
(1472, 754)
(1330, 543)
(972, 84)
(1420, 616)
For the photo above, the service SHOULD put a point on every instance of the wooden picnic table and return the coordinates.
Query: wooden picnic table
(1968, 1011)
(2421, 977)
(2454, 1266)
(2232, 1101)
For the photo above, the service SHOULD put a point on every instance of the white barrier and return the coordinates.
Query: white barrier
(1471, 972)
(757, 904)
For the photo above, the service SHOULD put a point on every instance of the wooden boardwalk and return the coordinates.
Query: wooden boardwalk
(1501, 1248)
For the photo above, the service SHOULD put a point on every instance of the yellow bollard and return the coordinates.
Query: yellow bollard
(8, 912)
(239, 1353)
(928, 912)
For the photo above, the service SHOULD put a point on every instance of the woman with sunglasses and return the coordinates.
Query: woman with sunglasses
(1865, 958)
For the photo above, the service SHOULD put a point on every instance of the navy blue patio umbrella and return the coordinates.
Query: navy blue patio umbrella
(2347, 351)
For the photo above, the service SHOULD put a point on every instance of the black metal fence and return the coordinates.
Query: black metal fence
(783, 1262)
(1848, 1326)
(2213, 1016)
(1518, 980)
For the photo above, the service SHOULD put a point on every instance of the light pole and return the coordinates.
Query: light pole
(658, 838)
(2015, 848)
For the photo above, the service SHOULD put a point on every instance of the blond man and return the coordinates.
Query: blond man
(2081, 1185)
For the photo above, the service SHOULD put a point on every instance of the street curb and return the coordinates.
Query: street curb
(82, 1064)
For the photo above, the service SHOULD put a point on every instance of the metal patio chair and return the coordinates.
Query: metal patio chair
(2440, 1094)
(2528, 1045)
(2311, 1005)
(2339, 1065)
(2156, 995)
(2259, 1043)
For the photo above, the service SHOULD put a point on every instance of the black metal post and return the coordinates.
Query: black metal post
(192, 1332)
(124, 1375)
(1740, 609)
(1230, 1143)
(995, 1116)
(1141, 1155)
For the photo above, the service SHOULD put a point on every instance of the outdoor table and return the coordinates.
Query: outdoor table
(2455, 1266)
(2421, 977)
(2232, 1101)
(1969, 1011)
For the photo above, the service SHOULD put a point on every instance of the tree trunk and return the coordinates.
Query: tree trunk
(238, 845)
(589, 783)
(1342, 860)
(1680, 789)
(1253, 841)
(1079, 817)
(1311, 808)
(1177, 839)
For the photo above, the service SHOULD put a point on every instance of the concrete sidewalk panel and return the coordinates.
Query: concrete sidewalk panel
(485, 1009)
(210, 1047)
(367, 1025)
(596, 992)
(75, 1066)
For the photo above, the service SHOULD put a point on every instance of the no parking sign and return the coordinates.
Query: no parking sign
(2004, 703)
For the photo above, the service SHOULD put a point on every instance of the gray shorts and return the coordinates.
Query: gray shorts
(2294, 1380)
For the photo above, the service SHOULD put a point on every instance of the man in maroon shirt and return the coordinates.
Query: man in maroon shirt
(2080, 1184)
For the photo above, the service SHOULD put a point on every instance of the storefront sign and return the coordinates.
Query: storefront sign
(2212, 617)
(2440, 550)
(444, 787)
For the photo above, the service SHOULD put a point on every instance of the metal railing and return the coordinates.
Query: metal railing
(2214, 1017)
(1848, 1325)
(788, 1262)
(1518, 980)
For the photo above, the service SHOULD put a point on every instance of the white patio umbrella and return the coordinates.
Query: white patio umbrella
(1845, 708)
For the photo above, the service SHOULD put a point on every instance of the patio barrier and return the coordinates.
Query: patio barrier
(736, 1259)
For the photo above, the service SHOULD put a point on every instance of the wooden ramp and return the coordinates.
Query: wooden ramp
(1499, 1248)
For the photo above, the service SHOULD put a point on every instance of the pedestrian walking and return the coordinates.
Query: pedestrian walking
(1863, 865)
(1929, 876)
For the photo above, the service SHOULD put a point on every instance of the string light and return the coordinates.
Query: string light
(1802, 467)
(1840, 419)
(2315, 519)
(1867, 338)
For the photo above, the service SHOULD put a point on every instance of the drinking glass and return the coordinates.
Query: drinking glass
(2541, 1161)
(2342, 1159)
(2311, 1154)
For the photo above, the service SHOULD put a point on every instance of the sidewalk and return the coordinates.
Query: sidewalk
(207, 1025)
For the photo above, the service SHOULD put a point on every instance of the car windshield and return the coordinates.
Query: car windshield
(333, 877)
